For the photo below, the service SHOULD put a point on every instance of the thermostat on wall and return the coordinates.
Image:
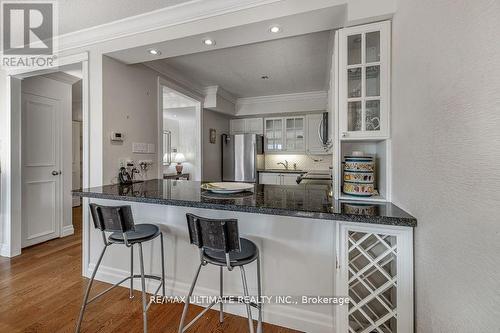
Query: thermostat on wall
(117, 136)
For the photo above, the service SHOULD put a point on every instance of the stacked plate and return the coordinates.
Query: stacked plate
(359, 175)
(227, 187)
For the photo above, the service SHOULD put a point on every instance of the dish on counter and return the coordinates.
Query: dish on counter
(227, 187)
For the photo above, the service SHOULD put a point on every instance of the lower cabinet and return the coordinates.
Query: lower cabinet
(375, 269)
(271, 178)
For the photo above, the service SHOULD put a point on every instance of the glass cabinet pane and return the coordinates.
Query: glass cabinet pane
(354, 49)
(372, 81)
(372, 119)
(354, 82)
(354, 116)
(372, 46)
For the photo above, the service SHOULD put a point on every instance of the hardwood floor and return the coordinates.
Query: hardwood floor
(41, 291)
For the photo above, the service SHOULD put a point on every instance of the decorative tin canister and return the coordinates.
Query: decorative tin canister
(359, 175)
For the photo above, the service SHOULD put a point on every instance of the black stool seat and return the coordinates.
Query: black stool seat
(142, 233)
(248, 253)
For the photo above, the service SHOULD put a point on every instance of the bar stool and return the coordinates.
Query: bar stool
(219, 244)
(118, 221)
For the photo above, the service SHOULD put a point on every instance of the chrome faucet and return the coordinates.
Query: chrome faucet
(284, 164)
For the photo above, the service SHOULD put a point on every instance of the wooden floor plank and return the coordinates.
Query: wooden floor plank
(41, 292)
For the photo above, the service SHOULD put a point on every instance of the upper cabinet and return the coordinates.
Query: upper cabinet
(285, 134)
(295, 138)
(315, 135)
(246, 125)
(273, 128)
(364, 84)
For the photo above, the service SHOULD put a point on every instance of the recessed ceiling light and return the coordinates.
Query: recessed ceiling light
(275, 29)
(209, 42)
(154, 51)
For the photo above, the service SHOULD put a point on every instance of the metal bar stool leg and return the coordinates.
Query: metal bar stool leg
(143, 282)
(259, 291)
(186, 303)
(131, 271)
(162, 265)
(221, 316)
(245, 290)
(87, 292)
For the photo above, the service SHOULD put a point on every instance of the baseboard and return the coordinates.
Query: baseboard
(282, 315)
(67, 230)
(5, 251)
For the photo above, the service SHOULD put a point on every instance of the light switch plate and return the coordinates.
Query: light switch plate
(140, 148)
(151, 148)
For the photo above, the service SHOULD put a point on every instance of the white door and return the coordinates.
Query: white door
(269, 178)
(41, 161)
(289, 178)
(76, 170)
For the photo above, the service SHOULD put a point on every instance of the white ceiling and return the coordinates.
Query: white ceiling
(294, 64)
(80, 14)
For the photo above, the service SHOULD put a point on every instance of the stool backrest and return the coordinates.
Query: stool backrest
(112, 218)
(215, 234)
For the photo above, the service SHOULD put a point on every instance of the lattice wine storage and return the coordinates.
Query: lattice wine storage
(372, 282)
(369, 264)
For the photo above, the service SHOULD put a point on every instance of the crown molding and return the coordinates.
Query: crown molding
(218, 90)
(175, 77)
(283, 98)
(155, 20)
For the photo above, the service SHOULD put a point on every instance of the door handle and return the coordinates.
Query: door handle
(55, 173)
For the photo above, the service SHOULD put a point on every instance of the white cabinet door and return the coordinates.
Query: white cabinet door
(375, 269)
(254, 126)
(295, 139)
(273, 135)
(237, 126)
(268, 178)
(364, 84)
(289, 178)
(314, 143)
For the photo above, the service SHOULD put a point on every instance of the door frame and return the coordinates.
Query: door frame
(163, 82)
(12, 186)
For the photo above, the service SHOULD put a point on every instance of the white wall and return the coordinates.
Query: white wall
(212, 153)
(130, 106)
(446, 154)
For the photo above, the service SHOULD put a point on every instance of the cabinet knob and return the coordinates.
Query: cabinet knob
(344, 134)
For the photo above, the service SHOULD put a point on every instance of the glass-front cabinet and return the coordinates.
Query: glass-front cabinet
(273, 134)
(364, 85)
(285, 134)
(295, 139)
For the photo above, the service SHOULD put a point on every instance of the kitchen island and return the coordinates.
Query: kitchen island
(310, 245)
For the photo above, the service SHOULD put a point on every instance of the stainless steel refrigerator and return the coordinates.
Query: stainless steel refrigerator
(240, 157)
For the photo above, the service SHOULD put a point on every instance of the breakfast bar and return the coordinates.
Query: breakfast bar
(310, 245)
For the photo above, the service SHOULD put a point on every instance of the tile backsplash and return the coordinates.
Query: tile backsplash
(304, 162)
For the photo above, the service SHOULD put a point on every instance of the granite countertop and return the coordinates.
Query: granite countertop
(304, 201)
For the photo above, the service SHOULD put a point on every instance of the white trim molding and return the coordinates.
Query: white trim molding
(67, 230)
(155, 20)
(284, 103)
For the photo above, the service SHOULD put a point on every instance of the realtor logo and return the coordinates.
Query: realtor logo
(28, 30)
